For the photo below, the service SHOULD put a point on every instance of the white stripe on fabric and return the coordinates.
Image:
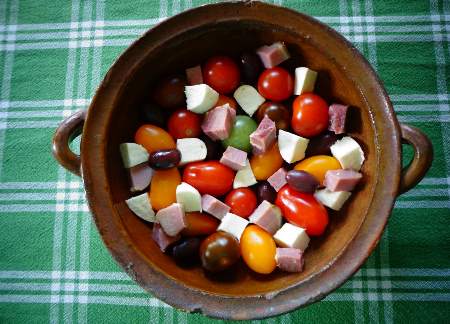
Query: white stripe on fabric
(432, 204)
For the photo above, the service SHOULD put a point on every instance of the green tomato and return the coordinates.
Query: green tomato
(240, 134)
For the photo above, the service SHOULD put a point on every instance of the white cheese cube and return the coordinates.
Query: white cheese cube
(292, 147)
(200, 98)
(332, 199)
(244, 177)
(189, 197)
(305, 80)
(133, 154)
(191, 149)
(248, 98)
(348, 152)
(233, 224)
(292, 236)
(142, 207)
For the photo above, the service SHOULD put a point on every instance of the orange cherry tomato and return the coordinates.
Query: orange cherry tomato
(163, 188)
(303, 210)
(264, 165)
(154, 138)
(242, 201)
(199, 224)
(209, 177)
(226, 100)
(258, 249)
(318, 165)
(309, 115)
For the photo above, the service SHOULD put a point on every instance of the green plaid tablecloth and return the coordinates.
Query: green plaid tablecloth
(53, 265)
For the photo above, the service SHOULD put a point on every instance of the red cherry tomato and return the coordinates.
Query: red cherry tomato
(209, 177)
(310, 115)
(184, 123)
(242, 201)
(276, 84)
(302, 210)
(221, 74)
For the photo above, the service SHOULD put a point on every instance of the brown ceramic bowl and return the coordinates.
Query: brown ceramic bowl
(230, 28)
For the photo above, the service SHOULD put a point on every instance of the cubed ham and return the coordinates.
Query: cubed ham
(140, 176)
(273, 55)
(337, 116)
(278, 179)
(194, 75)
(162, 239)
(214, 206)
(234, 158)
(289, 259)
(267, 216)
(264, 136)
(341, 180)
(218, 122)
(172, 219)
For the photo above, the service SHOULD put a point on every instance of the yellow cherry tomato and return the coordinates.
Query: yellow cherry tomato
(163, 188)
(154, 138)
(264, 165)
(258, 249)
(318, 165)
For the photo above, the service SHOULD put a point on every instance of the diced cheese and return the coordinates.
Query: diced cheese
(292, 147)
(292, 236)
(200, 98)
(133, 154)
(189, 197)
(305, 80)
(191, 149)
(348, 152)
(248, 98)
(233, 224)
(244, 177)
(332, 199)
(142, 207)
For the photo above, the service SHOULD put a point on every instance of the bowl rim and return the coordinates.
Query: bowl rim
(175, 293)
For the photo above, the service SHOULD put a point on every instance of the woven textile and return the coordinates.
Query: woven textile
(53, 264)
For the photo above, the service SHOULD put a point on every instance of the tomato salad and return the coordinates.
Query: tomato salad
(227, 166)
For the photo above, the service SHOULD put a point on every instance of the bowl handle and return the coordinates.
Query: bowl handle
(421, 162)
(70, 128)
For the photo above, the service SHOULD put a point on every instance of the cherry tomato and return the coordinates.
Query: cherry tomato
(219, 251)
(199, 224)
(276, 84)
(275, 111)
(184, 123)
(242, 201)
(209, 177)
(239, 136)
(226, 100)
(163, 188)
(186, 251)
(264, 165)
(251, 67)
(169, 93)
(320, 145)
(264, 191)
(310, 115)
(318, 165)
(153, 114)
(154, 138)
(221, 74)
(303, 210)
(258, 249)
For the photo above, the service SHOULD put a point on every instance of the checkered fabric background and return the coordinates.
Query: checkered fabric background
(53, 265)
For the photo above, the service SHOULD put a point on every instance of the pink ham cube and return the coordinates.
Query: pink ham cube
(267, 216)
(172, 219)
(289, 259)
(218, 122)
(337, 116)
(214, 206)
(140, 176)
(278, 179)
(264, 136)
(341, 180)
(234, 158)
(162, 239)
(194, 75)
(273, 55)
